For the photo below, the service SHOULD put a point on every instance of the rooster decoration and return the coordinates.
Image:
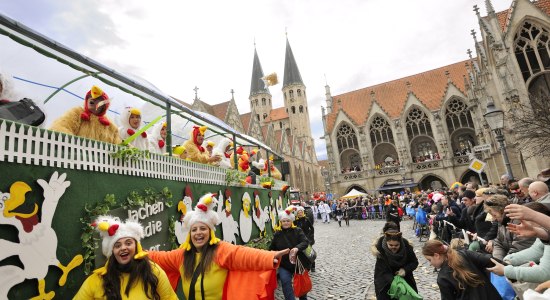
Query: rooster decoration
(260, 216)
(184, 205)
(245, 218)
(37, 246)
(230, 227)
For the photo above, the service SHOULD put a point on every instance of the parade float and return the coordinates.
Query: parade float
(53, 185)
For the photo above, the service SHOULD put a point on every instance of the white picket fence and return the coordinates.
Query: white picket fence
(29, 145)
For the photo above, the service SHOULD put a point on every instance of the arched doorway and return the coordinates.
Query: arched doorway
(432, 182)
(357, 188)
(474, 177)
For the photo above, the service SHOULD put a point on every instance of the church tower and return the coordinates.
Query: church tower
(260, 97)
(294, 92)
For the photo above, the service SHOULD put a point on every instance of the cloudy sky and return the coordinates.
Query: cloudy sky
(178, 45)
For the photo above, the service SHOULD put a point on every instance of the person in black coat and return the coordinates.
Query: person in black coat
(394, 256)
(289, 236)
(463, 273)
(392, 214)
(303, 222)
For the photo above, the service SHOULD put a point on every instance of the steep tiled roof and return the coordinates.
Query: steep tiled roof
(292, 74)
(245, 119)
(220, 110)
(429, 87)
(502, 16)
(277, 114)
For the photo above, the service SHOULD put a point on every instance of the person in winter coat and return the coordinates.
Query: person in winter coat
(304, 222)
(462, 274)
(289, 236)
(392, 214)
(394, 256)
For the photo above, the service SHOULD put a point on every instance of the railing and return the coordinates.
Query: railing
(35, 146)
(426, 165)
(353, 175)
(386, 171)
(461, 160)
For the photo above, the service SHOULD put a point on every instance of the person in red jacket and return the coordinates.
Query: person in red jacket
(213, 269)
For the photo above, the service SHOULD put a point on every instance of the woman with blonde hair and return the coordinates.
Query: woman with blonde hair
(463, 273)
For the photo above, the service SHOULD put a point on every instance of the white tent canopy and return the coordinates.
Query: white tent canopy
(353, 194)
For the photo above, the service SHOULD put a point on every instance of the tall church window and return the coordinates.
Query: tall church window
(380, 131)
(531, 46)
(346, 138)
(301, 109)
(258, 117)
(265, 116)
(458, 116)
(281, 125)
(269, 101)
(263, 101)
(299, 92)
(291, 94)
(293, 109)
(418, 124)
(256, 100)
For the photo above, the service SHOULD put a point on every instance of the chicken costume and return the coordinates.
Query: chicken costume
(85, 123)
(195, 151)
(126, 130)
(111, 230)
(275, 173)
(233, 267)
(157, 143)
(223, 149)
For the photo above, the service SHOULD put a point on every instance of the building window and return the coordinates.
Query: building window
(532, 49)
(346, 138)
(418, 124)
(281, 125)
(380, 131)
(265, 116)
(263, 101)
(293, 109)
(458, 116)
(258, 117)
(424, 149)
(256, 101)
(301, 109)
(299, 92)
(291, 94)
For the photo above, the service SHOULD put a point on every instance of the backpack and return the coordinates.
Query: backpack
(23, 111)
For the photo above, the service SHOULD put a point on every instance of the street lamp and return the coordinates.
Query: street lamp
(495, 119)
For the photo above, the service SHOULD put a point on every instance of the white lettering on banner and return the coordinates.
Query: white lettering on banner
(483, 147)
(145, 212)
(152, 228)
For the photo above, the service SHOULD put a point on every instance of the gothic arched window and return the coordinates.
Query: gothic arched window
(346, 138)
(458, 116)
(301, 109)
(299, 92)
(256, 101)
(281, 125)
(265, 116)
(263, 101)
(380, 131)
(418, 124)
(258, 117)
(293, 109)
(532, 49)
(291, 94)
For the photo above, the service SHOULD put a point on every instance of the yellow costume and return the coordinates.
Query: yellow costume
(195, 151)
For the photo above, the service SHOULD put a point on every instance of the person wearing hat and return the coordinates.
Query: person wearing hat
(128, 272)
(223, 150)
(485, 228)
(90, 122)
(195, 151)
(289, 236)
(213, 269)
(130, 120)
(157, 139)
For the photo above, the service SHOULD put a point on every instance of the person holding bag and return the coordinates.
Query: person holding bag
(394, 256)
(287, 235)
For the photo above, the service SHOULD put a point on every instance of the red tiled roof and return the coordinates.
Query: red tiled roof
(278, 114)
(220, 110)
(429, 87)
(245, 119)
(502, 16)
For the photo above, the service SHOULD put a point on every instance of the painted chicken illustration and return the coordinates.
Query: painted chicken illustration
(260, 216)
(230, 227)
(37, 247)
(184, 205)
(245, 218)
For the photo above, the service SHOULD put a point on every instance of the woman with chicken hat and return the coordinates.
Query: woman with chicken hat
(157, 140)
(128, 272)
(130, 124)
(90, 121)
(286, 236)
(195, 151)
(213, 269)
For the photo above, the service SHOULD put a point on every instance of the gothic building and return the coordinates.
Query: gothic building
(286, 130)
(421, 130)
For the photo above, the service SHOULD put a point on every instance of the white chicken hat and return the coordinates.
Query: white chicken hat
(287, 213)
(111, 229)
(203, 212)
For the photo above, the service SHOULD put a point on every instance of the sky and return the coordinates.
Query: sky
(179, 45)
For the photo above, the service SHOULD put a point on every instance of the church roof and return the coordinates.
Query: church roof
(277, 114)
(220, 110)
(292, 74)
(503, 17)
(429, 87)
(245, 119)
(257, 85)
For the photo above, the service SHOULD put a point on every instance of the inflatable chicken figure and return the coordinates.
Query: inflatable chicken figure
(37, 245)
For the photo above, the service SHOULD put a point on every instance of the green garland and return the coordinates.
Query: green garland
(126, 153)
(172, 233)
(90, 242)
(234, 177)
(261, 242)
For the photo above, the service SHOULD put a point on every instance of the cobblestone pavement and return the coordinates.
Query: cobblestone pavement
(345, 265)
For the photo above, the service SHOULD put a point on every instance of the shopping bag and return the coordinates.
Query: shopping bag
(503, 287)
(401, 290)
(301, 281)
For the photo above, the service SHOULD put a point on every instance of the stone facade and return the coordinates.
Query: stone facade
(422, 128)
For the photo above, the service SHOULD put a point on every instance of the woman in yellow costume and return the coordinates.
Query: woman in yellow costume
(90, 122)
(128, 273)
(195, 151)
(213, 269)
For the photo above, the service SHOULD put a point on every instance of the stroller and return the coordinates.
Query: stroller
(422, 226)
